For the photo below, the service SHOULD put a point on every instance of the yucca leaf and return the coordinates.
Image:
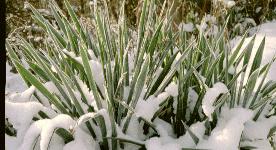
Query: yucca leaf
(141, 30)
(65, 135)
(57, 17)
(236, 51)
(38, 70)
(149, 123)
(258, 57)
(194, 137)
(271, 131)
(235, 77)
(38, 17)
(110, 107)
(248, 147)
(47, 26)
(248, 50)
(56, 36)
(200, 82)
(45, 66)
(268, 88)
(211, 71)
(90, 77)
(250, 87)
(14, 57)
(69, 89)
(71, 37)
(154, 39)
(75, 20)
(140, 82)
(266, 68)
(156, 83)
(255, 118)
(101, 122)
(173, 70)
(247, 55)
(137, 90)
(35, 82)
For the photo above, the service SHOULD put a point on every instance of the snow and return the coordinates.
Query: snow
(192, 98)
(126, 92)
(22, 97)
(11, 142)
(269, 31)
(234, 127)
(227, 133)
(92, 55)
(210, 97)
(226, 3)
(95, 66)
(85, 118)
(60, 121)
(258, 9)
(147, 108)
(97, 73)
(258, 145)
(135, 129)
(32, 134)
(169, 141)
(51, 88)
(189, 27)
(15, 111)
(45, 128)
(256, 132)
(14, 82)
(163, 127)
(20, 115)
(89, 116)
(178, 56)
(53, 69)
(259, 129)
(156, 144)
(172, 89)
(83, 141)
(186, 140)
(230, 4)
(101, 112)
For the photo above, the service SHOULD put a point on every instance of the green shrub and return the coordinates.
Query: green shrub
(137, 67)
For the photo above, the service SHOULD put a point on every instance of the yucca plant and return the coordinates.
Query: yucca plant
(111, 85)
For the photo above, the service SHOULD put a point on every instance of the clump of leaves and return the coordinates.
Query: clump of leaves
(136, 68)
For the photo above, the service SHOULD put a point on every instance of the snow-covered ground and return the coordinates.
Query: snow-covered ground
(267, 30)
(233, 124)
(14, 82)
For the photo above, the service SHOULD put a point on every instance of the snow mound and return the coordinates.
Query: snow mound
(83, 141)
(172, 89)
(268, 31)
(14, 82)
(256, 132)
(45, 128)
(227, 133)
(147, 108)
(210, 97)
(169, 141)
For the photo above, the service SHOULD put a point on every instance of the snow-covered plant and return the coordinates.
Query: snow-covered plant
(117, 90)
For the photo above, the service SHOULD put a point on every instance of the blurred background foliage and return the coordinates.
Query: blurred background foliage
(245, 13)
